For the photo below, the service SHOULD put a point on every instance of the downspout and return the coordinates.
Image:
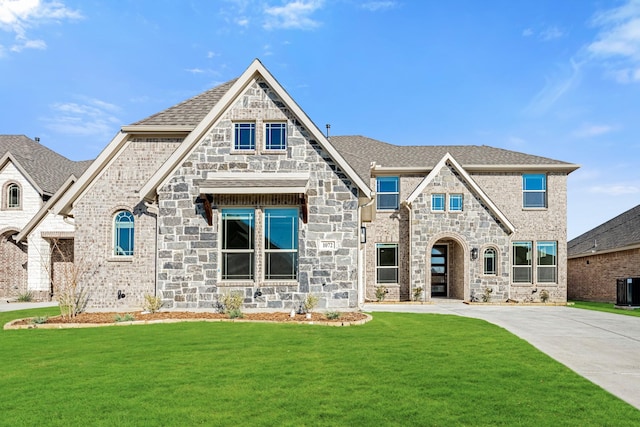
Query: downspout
(362, 249)
(411, 285)
(154, 210)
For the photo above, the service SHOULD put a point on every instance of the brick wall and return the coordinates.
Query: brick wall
(13, 267)
(593, 278)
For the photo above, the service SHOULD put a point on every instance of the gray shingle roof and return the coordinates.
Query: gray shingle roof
(48, 169)
(360, 151)
(189, 112)
(619, 232)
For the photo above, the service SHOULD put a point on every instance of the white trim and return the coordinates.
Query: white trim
(9, 158)
(483, 196)
(160, 178)
(605, 251)
(157, 129)
(480, 168)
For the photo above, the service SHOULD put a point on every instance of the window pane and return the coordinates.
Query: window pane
(534, 200)
(522, 274)
(522, 253)
(14, 196)
(387, 192)
(455, 202)
(387, 275)
(547, 274)
(534, 190)
(546, 253)
(281, 228)
(276, 136)
(281, 265)
(237, 266)
(437, 202)
(387, 184)
(490, 261)
(237, 229)
(387, 201)
(123, 234)
(534, 182)
(387, 255)
(245, 136)
(438, 269)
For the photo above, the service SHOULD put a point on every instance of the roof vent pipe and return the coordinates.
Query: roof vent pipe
(37, 139)
(328, 127)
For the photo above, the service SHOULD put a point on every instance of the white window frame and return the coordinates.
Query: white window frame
(456, 196)
(118, 225)
(494, 257)
(395, 193)
(10, 188)
(268, 127)
(395, 266)
(529, 258)
(296, 241)
(527, 191)
(238, 127)
(442, 196)
(223, 243)
(540, 277)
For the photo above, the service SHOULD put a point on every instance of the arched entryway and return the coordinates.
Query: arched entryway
(447, 268)
(13, 266)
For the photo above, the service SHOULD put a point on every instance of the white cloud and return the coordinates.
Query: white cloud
(195, 70)
(555, 88)
(88, 117)
(293, 15)
(211, 54)
(243, 22)
(551, 33)
(19, 16)
(374, 6)
(527, 32)
(618, 41)
(591, 130)
(618, 189)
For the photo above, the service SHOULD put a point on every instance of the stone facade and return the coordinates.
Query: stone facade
(188, 248)
(593, 278)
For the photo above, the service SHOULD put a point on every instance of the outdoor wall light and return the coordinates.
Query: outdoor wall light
(121, 294)
(257, 293)
(474, 254)
(363, 234)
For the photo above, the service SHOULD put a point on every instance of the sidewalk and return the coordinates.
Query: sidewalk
(14, 306)
(602, 347)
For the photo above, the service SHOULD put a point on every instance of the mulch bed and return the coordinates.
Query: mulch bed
(346, 318)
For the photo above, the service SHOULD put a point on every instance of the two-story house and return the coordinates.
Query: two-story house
(237, 190)
(30, 177)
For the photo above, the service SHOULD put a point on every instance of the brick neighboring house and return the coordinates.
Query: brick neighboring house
(237, 190)
(597, 258)
(31, 175)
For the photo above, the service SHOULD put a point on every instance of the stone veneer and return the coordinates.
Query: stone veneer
(188, 248)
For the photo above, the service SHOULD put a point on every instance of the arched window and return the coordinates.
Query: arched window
(123, 234)
(12, 196)
(490, 261)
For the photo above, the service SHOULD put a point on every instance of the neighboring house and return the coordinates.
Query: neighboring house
(597, 258)
(31, 175)
(237, 190)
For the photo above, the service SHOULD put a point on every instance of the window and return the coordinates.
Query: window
(534, 191)
(522, 262)
(437, 202)
(386, 263)
(490, 261)
(238, 234)
(123, 227)
(455, 202)
(13, 196)
(244, 136)
(281, 244)
(275, 136)
(547, 262)
(387, 192)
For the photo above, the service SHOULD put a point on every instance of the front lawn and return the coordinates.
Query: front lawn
(399, 369)
(606, 307)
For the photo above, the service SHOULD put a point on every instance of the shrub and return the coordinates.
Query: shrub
(333, 315)
(544, 295)
(152, 303)
(128, 317)
(25, 297)
(232, 304)
(39, 320)
(417, 293)
(310, 303)
(235, 313)
(381, 292)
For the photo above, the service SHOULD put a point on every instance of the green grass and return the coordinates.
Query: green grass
(606, 307)
(399, 369)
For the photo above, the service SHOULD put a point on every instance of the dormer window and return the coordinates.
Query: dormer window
(244, 136)
(12, 197)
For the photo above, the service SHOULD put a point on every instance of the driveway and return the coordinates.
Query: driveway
(602, 347)
(13, 306)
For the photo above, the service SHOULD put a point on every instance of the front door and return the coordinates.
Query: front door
(439, 271)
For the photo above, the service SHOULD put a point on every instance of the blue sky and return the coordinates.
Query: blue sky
(559, 79)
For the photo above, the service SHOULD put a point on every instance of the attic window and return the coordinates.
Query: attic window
(244, 136)
(12, 196)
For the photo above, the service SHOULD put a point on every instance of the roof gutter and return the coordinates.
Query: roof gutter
(157, 129)
(480, 168)
(606, 251)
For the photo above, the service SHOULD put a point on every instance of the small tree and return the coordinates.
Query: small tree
(310, 303)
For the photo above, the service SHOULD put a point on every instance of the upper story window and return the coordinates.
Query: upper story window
(275, 136)
(238, 244)
(455, 202)
(489, 259)
(387, 193)
(244, 136)
(123, 232)
(12, 197)
(437, 202)
(534, 190)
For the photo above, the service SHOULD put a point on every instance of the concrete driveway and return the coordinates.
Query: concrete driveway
(602, 347)
(13, 306)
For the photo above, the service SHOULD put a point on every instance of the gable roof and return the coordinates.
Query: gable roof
(256, 69)
(361, 151)
(617, 234)
(45, 169)
(447, 159)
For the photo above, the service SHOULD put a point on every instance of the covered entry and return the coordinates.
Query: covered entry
(447, 269)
